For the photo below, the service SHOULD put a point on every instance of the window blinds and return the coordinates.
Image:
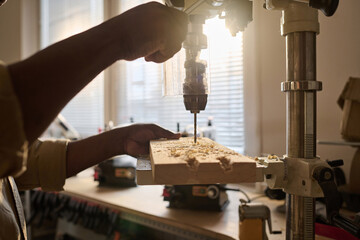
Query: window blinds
(61, 19)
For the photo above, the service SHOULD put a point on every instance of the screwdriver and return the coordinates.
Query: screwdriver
(195, 123)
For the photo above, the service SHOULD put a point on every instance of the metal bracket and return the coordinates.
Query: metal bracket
(273, 168)
(277, 172)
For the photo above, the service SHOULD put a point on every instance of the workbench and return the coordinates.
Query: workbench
(144, 205)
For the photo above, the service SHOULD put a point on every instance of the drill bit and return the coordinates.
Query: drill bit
(195, 123)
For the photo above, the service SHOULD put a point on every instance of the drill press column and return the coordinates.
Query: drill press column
(300, 25)
(300, 88)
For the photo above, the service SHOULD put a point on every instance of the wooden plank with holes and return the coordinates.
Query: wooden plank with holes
(182, 161)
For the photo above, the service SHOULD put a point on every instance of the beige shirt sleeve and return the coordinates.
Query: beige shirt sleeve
(13, 144)
(46, 167)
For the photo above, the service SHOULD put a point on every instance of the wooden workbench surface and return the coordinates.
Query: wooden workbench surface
(147, 202)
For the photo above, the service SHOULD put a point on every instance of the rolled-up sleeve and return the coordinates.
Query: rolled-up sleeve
(13, 144)
(46, 166)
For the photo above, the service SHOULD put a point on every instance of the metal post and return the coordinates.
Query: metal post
(301, 126)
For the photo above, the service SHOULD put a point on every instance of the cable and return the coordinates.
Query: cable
(257, 197)
(238, 190)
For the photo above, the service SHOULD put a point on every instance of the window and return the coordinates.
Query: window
(140, 89)
(59, 20)
(138, 84)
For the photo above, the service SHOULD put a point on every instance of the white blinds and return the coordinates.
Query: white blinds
(140, 89)
(61, 19)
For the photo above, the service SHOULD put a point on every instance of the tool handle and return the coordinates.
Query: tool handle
(328, 7)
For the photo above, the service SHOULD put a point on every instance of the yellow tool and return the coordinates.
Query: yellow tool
(253, 217)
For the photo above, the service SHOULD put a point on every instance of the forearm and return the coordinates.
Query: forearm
(132, 140)
(45, 82)
(88, 152)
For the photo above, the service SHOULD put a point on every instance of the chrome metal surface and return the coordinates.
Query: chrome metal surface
(301, 125)
(301, 105)
(195, 103)
(302, 211)
(301, 86)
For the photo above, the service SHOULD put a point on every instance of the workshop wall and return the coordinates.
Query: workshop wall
(10, 32)
(338, 58)
(19, 31)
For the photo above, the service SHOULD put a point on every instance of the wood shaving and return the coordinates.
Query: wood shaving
(204, 150)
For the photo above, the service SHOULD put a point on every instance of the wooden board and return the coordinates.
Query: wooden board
(206, 162)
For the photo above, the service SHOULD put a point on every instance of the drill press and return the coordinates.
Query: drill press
(299, 25)
(195, 87)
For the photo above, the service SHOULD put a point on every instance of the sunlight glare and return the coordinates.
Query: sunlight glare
(220, 40)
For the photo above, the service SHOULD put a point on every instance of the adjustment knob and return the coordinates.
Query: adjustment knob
(328, 7)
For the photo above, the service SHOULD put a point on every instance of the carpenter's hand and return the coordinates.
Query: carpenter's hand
(153, 31)
(138, 136)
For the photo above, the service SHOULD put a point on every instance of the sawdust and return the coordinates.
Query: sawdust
(203, 150)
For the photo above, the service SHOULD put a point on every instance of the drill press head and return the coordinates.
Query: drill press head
(238, 13)
(195, 87)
